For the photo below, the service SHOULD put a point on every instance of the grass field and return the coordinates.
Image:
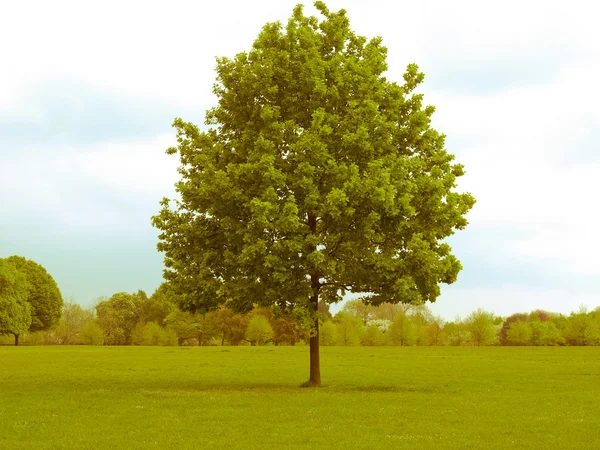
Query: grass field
(248, 397)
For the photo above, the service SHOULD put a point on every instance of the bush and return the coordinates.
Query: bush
(373, 336)
(91, 333)
(259, 330)
(327, 333)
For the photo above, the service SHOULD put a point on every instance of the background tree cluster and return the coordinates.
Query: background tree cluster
(136, 319)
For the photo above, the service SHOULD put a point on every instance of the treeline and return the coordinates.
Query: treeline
(136, 319)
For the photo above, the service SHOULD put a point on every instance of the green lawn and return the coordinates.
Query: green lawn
(248, 397)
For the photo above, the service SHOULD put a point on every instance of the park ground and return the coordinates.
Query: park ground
(68, 397)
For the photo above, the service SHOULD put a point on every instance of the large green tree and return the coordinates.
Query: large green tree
(315, 176)
(43, 295)
(15, 311)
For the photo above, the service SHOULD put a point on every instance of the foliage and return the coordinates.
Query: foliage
(43, 294)
(372, 336)
(91, 333)
(259, 330)
(73, 318)
(349, 329)
(15, 310)
(152, 334)
(316, 177)
(285, 331)
(118, 316)
(480, 325)
(328, 334)
(583, 329)
(456, 332)
(402, 330)
(519, 333)
(231, 327)
(519, 317)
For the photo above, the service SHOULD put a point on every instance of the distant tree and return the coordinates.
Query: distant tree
(159, 305)
(435, 332)
(402, 330)
(503, 336)
(229, 326)
(388, 311)
(71, 322)
(316, 177)
(420, 325)
(259, 330)
(358, 309)
(118, 316)
(372, 336)
(582, 329)
(545, 333)
(455, 332)
(15, 310)
(43, 294)
(349, 329)
(91, 333)
(480, 325)
(285, 331)
(519, 333)
(328, 333)
(152, 334)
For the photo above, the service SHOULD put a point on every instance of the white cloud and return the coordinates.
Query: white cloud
(82, 187)
(509, 299)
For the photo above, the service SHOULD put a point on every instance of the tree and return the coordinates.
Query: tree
(349, 329)
(74, 317)
(118, 316)
(317, 176)
(91, 333)
(231, 327)
(372, 336)
(519, 333)
(519, 317)
(358, 309)
(15, 311)
(402, 330)
(259, 330)
(456, 333)
(435, 331)
(43, 294)
(582, 329)
(285, 331)
(328, 334)
(480, 325)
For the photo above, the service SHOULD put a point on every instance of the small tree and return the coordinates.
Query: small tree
(43, 294)
(519, 333)
(372, 336)
(402, 331)
(582, 329)
(349, 329)
(285, 331)
(259, 330)
(480, 325)
(328, 334)
(456, 332)
(15, 310)
(91, 333)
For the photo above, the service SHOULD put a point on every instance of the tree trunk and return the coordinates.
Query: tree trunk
(16, 339)
(315, 361)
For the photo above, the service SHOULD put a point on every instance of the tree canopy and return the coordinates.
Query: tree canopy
(43, 294)
(15, 311)
(315, 176)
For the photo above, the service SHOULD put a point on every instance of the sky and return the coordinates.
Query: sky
(88, 91)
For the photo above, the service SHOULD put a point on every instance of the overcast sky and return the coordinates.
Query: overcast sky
(88, 91)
